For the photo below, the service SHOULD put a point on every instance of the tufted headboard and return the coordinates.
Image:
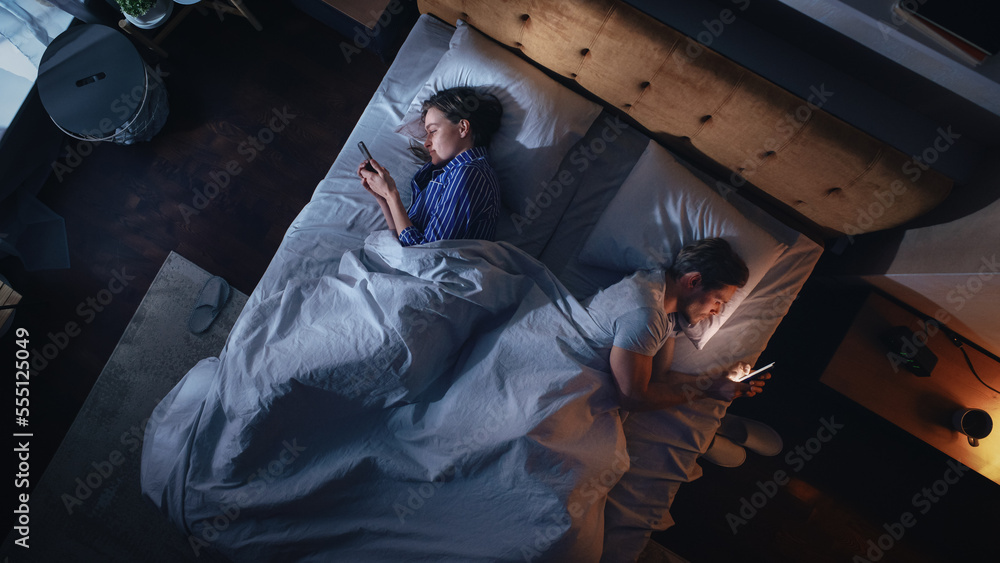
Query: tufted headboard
(813, 164)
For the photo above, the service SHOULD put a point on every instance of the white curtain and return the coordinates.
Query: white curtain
(26, 29)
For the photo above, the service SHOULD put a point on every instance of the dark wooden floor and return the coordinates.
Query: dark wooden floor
(833, 496)
(122, 207)
(123, 204)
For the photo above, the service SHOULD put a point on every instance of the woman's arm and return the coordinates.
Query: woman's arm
(381, 184)
(382, 204)
(459, 206)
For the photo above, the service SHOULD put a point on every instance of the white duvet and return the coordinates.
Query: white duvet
(434, 403)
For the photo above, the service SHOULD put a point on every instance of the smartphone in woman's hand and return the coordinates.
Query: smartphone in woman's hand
(367, 155)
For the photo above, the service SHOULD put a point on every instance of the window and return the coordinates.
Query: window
(26, 29)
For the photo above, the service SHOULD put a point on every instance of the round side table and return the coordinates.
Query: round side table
(96, 87)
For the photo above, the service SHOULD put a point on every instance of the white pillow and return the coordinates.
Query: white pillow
(661, 207)
(541, 118)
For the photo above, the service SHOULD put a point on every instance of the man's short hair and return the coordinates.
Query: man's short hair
(715, 260)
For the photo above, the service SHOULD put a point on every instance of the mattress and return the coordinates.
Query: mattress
(665, 445)
(340, 214)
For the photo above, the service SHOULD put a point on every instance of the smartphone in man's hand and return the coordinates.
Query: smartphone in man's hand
(754, 372)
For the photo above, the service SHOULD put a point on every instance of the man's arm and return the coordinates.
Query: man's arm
(638, 390)
(664, 358)
(633, 375)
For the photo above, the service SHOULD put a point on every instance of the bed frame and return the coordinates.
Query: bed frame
(816, 167)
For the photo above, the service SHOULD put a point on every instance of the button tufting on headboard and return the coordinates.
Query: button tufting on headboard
(684, 85)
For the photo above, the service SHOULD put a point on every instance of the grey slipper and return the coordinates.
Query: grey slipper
(755, 436)
(211, 300)
(724, 452)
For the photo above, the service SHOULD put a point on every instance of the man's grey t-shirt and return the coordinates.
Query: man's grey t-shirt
(629, 314)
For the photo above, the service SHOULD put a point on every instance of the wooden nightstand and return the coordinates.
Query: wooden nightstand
(862, 370)
(373, 25)
(365, 12)
(218, 6)
(8, 301)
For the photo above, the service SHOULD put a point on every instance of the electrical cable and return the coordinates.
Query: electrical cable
(956, 338)
(968, 361)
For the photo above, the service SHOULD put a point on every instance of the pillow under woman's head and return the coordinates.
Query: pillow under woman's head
(661, 207)
(541, 118)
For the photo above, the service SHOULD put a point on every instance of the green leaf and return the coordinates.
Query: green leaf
(135, 7)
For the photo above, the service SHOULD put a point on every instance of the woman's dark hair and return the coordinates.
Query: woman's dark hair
(715, 260)
(482, 109)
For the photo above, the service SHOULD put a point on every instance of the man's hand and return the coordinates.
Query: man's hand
(724, 388)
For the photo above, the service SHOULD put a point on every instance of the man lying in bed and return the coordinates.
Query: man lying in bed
(641, 315)
(455, 194)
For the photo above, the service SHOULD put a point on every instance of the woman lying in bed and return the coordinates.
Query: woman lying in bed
(455, 194)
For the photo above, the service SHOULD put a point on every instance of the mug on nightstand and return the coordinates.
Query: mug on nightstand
(976, 424)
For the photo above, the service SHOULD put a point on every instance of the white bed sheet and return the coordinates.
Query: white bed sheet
(599, 164)
(340, 214)
(665, 444)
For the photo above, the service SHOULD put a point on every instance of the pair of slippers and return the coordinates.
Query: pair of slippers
(211, 300)
(736, 435)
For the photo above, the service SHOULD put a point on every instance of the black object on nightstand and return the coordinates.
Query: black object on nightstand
(367, 25)
(912, 353)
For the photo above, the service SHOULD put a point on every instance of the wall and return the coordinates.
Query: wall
(953, 268)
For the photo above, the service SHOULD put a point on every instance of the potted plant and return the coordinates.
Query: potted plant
(146, 14)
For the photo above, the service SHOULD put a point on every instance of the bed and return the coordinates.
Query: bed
(444, 403)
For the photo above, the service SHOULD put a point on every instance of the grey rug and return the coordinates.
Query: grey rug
(87, 505)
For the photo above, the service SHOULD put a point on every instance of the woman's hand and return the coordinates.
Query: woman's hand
(725, 389)
(364, 182)
(378, 182)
